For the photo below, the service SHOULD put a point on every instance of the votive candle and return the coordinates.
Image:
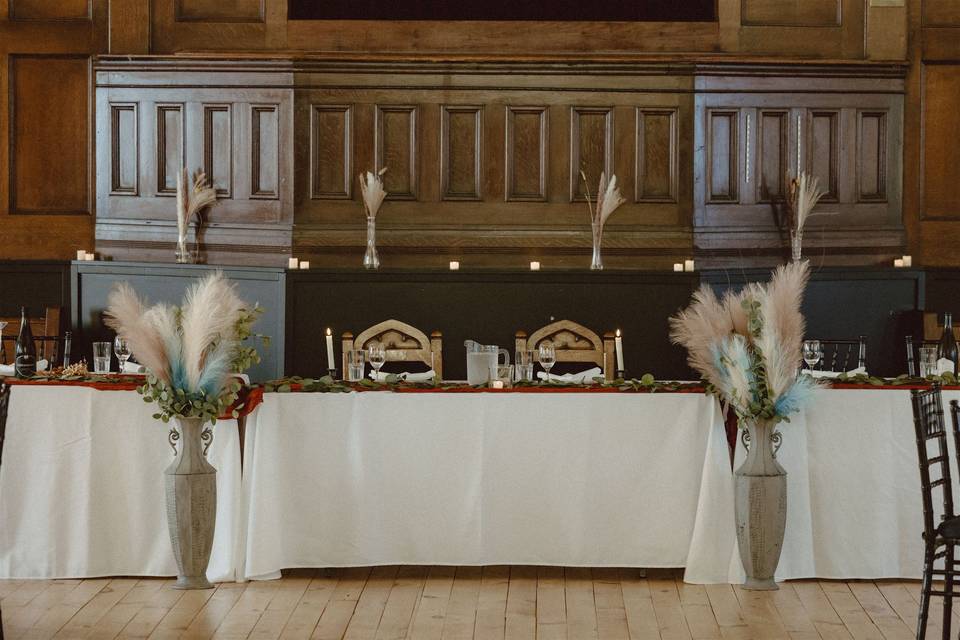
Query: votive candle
(89, 256)
(330, 349)
(496, 384)
(454, 265)
(907, 261)
(898, 263)
(293, 263)
(678, 266)
(688, 265)
(534, 266)
(304, 264)
(81, 254)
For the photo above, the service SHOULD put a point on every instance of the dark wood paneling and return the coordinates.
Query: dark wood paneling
(265, 152)
(722, 154)
(526, 154)
(331, 144)
(218, 147)
(49, 134)
(171, 150)
(396, 149)
(461, 152)
(823, 150)
(940, 13)
(791, 13)
(124, 150)
(940, 153)
(50, 10)
(219, 10)
(773, 140)
(872, 156)
(657, 155)
(591, 148)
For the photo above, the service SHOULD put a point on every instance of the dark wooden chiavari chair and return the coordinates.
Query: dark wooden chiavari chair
(913, 348)
(940, 536)
(842, 355)
(52, 345)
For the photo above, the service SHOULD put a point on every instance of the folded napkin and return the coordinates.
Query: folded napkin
(578, 378)
(944, 366)
(425, 376)
(8, 369)
(133, 368)
(834, 374)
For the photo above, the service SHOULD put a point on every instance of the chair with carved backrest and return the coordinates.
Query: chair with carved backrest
(50, 342)
(573, 343)
(402, 342)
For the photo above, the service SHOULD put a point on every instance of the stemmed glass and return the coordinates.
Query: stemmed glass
(122, 350)
(377, 355)
(547, 355)
(811, 352)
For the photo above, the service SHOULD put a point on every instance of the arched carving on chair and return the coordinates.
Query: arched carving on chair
(403, 342)
(566, 334)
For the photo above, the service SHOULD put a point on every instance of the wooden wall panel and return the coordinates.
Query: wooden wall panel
(722, 156)
(871, 156)
(940, 159)
(124, 150)
(792, 13)
(50, 10)
(823, 150)
(171, 150)
(657, 155)
(940, 13)
(265, 152)
(396, 149)
(591, 148)
(49, 134)
(461, 152)
(219, 10)
(218, 147)
(526, 159)
(773, 135)
(331, 143)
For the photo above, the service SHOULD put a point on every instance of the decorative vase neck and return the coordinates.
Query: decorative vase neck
(596, 260)
(796, 244)
(370, 259)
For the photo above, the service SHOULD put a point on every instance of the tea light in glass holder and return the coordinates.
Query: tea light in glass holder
(81, 254)
(678, 266)
(688, 265)
(534, 266)
(898, 263)
(496, 384)
(304, 264)
(90, 256)
(907, 261)
(454, 265)
(293, 263)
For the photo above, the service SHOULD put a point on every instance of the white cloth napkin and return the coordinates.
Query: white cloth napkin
(578, 378)
(944, 366)
(425, 376)
(133, 368)
(834, 374)
(8, 369)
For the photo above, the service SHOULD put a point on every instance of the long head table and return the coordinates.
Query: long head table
(564, 477)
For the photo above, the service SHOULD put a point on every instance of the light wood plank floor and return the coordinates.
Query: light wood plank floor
(465, 602)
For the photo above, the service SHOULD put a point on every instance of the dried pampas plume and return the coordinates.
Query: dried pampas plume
(805, 193)
(608, 198)
(190, 204)
(371, 190)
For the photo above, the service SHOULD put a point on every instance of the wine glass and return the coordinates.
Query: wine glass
(377, 355)
(547, 355)
(811, 352)
(122, 350)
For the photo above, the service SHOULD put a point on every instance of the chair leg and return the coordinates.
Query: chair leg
(925, 591)
(948, 589)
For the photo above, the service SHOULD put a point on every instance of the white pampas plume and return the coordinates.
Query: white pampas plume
(805, 193)
(371, 189)
(192, 203)
(608, 198)
(781, 333)
(699, 328)
(126, 315)
(209, 316)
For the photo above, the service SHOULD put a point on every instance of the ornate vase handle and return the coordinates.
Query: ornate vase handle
(776, 438)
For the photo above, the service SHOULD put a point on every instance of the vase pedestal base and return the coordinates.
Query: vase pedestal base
(192, 582)
(758, 584)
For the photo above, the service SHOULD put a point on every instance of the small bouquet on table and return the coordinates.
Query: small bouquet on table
(192, 354)
(747, 347)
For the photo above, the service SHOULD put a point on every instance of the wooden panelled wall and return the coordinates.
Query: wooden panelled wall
(278, 131)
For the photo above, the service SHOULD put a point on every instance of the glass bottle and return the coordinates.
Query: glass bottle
(948, 342)
(25, 363)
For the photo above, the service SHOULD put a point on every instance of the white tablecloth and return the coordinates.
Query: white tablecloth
(573, 479)
(853, 487)
(82, 487)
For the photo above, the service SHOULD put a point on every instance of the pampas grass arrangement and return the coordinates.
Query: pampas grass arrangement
(373, 195)
(191, 352)
(190, 204)
(804, 195)
(747, 346)
(608, 200)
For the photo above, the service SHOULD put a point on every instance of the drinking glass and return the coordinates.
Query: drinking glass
(811, 352)
(377, 355)
(547, 356)
(524, 368)
(101, 357)
(355, 360)
(122, 351)
(505, 374)
(928, 361)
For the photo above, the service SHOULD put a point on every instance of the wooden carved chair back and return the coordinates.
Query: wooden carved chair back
(46, 336)
(572, 342)
(913, 350)
(933, 327)
(934, 469)
(402, 342)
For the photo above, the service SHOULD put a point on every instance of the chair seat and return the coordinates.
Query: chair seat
(950, 528)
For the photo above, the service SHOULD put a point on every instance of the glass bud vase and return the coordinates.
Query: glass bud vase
(796, 244)
(596, 260)
(183, 252)
(370, 259)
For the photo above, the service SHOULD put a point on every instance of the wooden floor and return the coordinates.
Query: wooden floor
(464, 602)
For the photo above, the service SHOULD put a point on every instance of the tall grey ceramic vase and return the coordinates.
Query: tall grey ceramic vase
(761, 506)
(191, 484)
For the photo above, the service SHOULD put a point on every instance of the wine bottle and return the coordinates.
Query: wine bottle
(25, 364)
(948, 343)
